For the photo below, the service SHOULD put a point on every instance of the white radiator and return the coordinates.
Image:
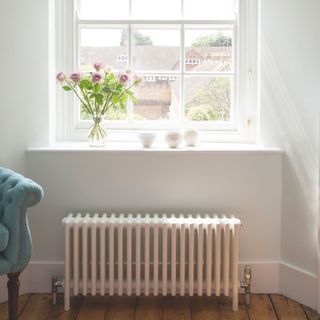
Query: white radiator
(126, 254)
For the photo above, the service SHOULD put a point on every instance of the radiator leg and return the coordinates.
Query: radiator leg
(235, 302)
(66, 300)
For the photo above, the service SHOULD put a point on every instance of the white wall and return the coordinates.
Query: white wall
(24, 116)
(290, 105)
(248, 185)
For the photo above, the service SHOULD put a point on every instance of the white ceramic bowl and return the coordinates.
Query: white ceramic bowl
(146, 138)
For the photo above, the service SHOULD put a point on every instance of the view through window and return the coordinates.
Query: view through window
(184, 49)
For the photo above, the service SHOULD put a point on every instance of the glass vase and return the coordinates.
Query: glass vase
(96, 133)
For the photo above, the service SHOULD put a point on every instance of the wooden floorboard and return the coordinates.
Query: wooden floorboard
(177, 308)
(121, 308)
(93, 308)
(23, 300)
(226, 312)
(149, 308)
(287, 309)
(260, 307)
(57, 312)
(204, 308)
(311, 314)
(38, 307)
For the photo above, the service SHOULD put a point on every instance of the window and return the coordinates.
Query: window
(121, 58)
(192, 61)
(197, 59)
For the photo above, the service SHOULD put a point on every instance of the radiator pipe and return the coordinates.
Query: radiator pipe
(246, 283)
(55, 285)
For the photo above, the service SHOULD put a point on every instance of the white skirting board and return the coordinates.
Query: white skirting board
(267, 277)
(298, 285)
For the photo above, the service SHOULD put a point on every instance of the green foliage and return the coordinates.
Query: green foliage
(106, 98)
(203, 113)
(212, 40)
(211, 102)
(66, 88)
(138, 38)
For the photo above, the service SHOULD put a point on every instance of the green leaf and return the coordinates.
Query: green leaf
(123, 99)
(85, 83)
(115, 99)
(106, 89)
(66, 88)
(96, 87)
(134, 99)
(99, 99)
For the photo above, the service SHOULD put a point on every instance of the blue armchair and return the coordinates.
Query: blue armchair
(17, 193)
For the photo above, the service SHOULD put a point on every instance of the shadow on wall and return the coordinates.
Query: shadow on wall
(282, 127)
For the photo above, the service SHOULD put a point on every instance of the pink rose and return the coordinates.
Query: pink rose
(61, 77)
(108, 69)
(128, 70)
(75, 77)
(98, 66)
(123, 78)
(138, 79)
(96, 77)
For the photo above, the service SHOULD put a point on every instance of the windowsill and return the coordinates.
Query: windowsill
(156, 148)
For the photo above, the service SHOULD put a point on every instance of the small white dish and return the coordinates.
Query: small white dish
(146, 138)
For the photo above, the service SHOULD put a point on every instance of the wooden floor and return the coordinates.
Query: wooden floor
(262, 307)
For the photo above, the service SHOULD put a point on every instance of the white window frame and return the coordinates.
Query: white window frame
(242, 128)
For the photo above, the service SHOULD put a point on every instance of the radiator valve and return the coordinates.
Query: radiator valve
(246, 283)
(56, 283)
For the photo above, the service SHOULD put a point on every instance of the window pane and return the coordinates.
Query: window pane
(103, 9)
(155, 49)
(158, 99)
(162, 10)
(208, 98)
(209, 9)
(103, 45)
(208, 50)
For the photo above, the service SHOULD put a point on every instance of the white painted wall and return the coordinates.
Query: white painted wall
(290, 105)
(247, 185)
(24, 116)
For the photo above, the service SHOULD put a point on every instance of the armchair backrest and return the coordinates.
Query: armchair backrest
(17, 193)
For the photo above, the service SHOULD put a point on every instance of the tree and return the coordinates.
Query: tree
(213, 40)
(202, 113)
(138, 37)
(211, 102)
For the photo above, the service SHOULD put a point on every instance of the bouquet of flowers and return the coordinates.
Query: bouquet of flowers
(100, 91)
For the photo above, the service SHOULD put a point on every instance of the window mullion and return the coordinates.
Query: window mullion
(182, 69)
(129, 102)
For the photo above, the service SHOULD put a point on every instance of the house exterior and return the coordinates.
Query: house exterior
(159, 97)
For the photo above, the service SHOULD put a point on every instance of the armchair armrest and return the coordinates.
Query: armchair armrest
(18, 193)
